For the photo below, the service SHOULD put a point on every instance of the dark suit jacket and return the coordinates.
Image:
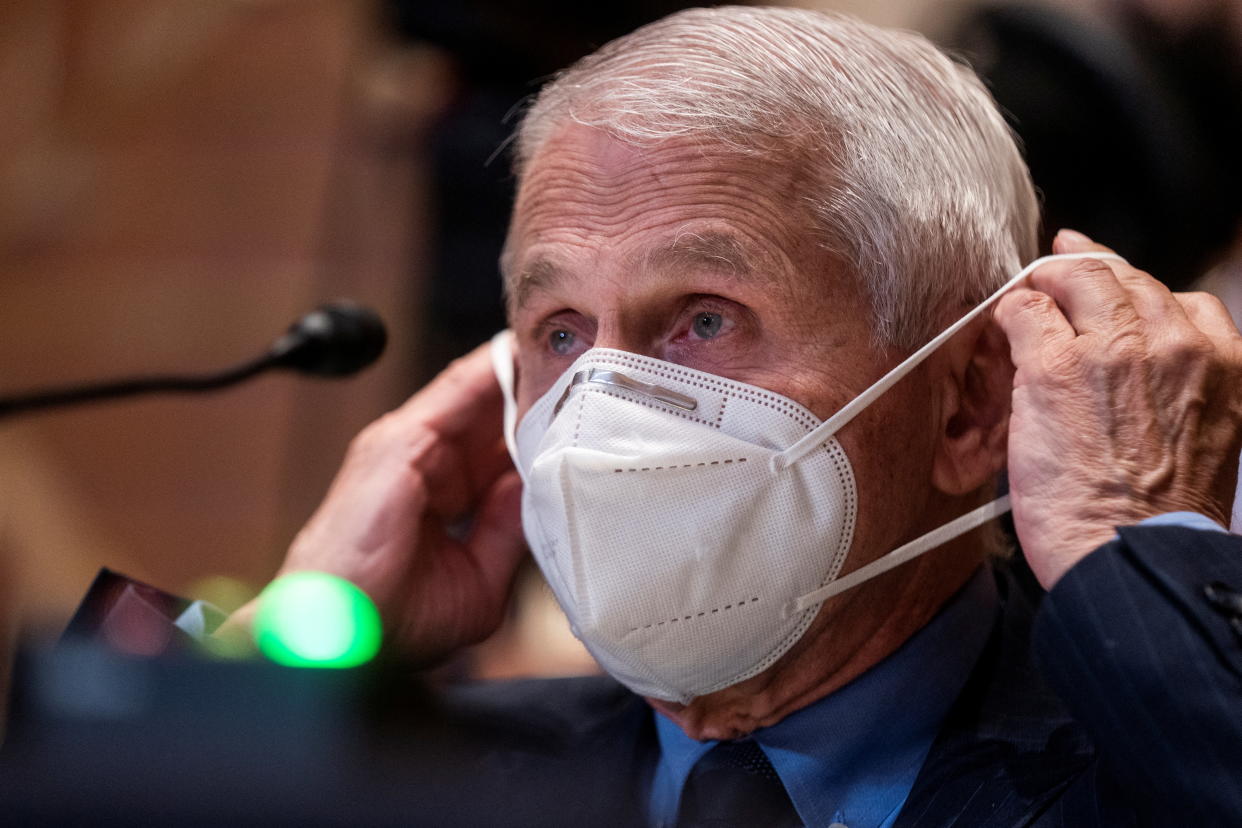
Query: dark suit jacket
(1118, 702)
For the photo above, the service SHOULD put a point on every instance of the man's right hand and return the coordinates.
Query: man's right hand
(392, 520)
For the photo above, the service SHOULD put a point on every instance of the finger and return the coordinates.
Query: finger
(1209, 315)
(486, 463)
(459, 473)
(1089, 294)
(1152, 301)
(496, 542)
(457, 421)
(1071, 241)
(449, 436)
(459, 397)
(1032, 322)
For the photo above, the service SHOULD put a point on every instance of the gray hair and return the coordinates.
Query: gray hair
(919, 186)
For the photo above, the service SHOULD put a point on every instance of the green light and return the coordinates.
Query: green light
(312, 619)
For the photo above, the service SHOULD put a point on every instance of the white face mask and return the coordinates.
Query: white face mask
(690, 526)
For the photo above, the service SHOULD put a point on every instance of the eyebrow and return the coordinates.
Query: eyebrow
(720, 252)
(539, 275)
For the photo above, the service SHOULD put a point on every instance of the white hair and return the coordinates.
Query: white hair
(918, 184)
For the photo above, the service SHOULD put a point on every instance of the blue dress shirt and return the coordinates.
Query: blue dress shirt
(1188, 520)
(852, 756)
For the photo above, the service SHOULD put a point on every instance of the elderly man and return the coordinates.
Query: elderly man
(730, 224)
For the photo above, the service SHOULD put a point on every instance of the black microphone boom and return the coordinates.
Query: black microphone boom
(336, 340)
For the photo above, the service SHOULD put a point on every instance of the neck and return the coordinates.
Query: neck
(852, 633)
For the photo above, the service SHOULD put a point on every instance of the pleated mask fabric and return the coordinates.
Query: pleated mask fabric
(691, 525)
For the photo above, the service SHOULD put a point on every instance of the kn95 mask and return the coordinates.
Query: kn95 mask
(690, 525)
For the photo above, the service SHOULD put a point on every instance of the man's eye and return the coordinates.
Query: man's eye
(707, 325)
(561, 341)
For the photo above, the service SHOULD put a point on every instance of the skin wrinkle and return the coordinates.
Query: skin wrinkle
(720, 252)
(802, 331)
(599, 201)
(721, 199)
(916, 167)
(691, 250)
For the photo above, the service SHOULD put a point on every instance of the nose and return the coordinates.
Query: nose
(622, 335)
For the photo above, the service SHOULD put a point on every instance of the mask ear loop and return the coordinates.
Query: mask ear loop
(502, 366)
(825, 430)
(907, 552)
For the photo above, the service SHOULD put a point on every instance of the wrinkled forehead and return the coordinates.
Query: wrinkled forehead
(667, 203)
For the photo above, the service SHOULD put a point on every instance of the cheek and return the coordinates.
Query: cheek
(897, 429)
(890, 446)
(533, 381)
(824, 390)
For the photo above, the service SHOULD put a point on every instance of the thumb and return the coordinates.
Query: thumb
(496, 542)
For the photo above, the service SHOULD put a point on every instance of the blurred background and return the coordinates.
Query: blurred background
(180, 179)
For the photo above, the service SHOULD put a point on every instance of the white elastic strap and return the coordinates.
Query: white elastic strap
(502, 365)
(908, 552)
(824, 431)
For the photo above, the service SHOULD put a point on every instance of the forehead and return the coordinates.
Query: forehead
(586, 195)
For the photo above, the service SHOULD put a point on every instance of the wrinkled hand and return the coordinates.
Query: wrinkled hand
(391, 520)
(1127, 403)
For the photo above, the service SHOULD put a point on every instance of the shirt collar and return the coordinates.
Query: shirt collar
(853, 756)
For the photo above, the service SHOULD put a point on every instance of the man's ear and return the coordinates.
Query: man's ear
(974, 411)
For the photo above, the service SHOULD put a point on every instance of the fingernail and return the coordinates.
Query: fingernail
(1072, 239)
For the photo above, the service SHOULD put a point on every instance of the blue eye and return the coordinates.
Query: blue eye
(561, 341)
(707, 325)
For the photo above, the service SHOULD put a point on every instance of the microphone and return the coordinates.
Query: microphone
(336, 340)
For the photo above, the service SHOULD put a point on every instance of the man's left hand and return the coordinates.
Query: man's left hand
(1127, 403)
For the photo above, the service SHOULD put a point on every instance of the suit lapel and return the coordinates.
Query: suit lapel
(1008, 748)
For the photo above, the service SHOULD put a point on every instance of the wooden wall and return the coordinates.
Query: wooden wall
(179, 180)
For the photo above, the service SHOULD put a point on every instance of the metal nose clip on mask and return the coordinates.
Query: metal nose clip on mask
(689, 525)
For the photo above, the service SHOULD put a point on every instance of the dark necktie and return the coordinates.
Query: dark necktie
(734, 784)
